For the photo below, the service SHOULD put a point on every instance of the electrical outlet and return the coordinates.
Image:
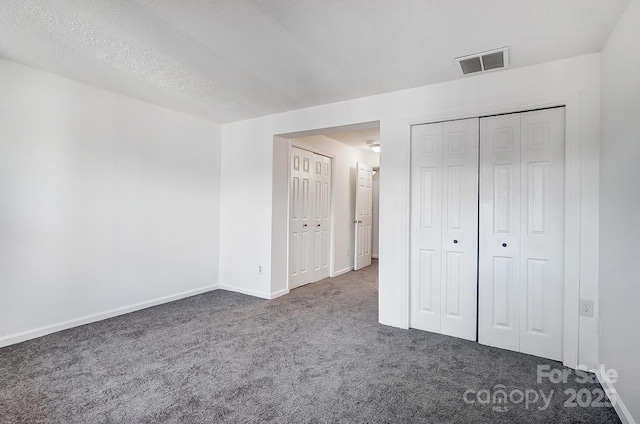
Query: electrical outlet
(586, 307)
(259, 269)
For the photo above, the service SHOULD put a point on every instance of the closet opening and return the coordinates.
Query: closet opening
(488, 228)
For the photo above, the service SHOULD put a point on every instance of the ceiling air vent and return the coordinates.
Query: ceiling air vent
(485, 61)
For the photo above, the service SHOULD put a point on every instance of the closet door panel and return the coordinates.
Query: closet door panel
(426, 226)
(459, 228)
(301, 200)
(444, 225)
(542, 233)
(317, 245)
(521, 261)
(499, 258)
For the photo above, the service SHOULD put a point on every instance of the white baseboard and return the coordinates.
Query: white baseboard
(343, 271)
(279, 293)
(261, 295)
(76, 322)
(374, 256)
(614, 397)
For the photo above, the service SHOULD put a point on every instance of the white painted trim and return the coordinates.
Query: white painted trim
(76, 322)
(478, 111)
(406, 217)
(572, 230)
(288, 226)
(343, 271)
(280, 212)
(614, 396)
(279, 293)
(374, 256)
(572, 102)
(261, 295)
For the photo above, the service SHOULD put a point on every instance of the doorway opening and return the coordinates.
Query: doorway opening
(323, 196)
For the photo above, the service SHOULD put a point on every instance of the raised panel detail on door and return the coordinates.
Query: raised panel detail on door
(502, 305)
(503, 199)
(455, 197)
(304, 198)
(427, 277)
(295, 197)
(453, 278)
(502, 138)
(537, 287)
(444, 187)
(504, 299)
(428, 198)
(538, 197)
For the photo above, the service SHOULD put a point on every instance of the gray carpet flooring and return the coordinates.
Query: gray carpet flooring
(317, 355)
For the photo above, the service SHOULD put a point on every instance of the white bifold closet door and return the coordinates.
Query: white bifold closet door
(444, 227)
(309, 217)
(521, 258)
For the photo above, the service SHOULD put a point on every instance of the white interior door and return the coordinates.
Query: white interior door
(521, 261)
(363, 220)
(444, 226)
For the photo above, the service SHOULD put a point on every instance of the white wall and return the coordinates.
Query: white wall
(344, 194)
(620, 206)
(105, 202)
(247, 149)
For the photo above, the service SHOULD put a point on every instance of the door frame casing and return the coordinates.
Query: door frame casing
(312, 149)
(572, 231)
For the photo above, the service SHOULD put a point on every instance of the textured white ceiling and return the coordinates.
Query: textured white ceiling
(228, 60)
